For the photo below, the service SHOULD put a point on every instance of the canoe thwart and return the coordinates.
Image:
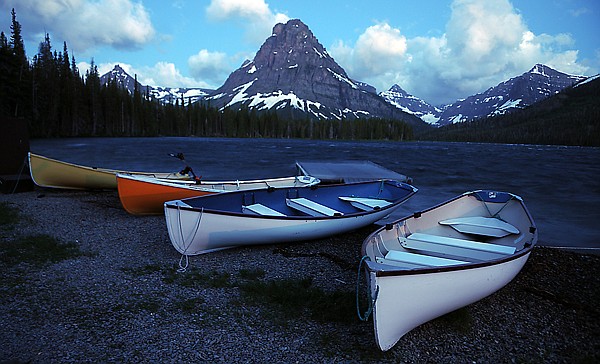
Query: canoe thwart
(260, 209)
(365, 203)
(419, 259)
(311, 208)
(480, 225)
(443, 244)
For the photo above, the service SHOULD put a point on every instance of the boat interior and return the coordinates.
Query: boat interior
(325, 201)
(478, 232)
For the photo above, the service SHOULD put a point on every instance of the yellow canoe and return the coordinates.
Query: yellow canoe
(48, 172)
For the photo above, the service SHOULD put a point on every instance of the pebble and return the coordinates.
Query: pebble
(114, 305)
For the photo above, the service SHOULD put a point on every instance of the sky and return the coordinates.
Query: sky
(437, 50)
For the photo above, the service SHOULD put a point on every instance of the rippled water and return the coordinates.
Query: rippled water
(560, 185)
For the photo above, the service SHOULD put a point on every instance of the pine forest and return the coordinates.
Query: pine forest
(57, 101)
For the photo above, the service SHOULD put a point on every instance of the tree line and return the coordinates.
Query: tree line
(571, 117)
(57, 101)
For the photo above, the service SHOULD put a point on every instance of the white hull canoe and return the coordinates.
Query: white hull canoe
(141, 195)
(52, 173)
(208, 223)
(439, 260)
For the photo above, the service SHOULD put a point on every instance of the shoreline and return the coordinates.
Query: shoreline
(123, 299)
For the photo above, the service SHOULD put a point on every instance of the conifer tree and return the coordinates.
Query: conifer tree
(92, 86)
(15, 81)
(5, 60)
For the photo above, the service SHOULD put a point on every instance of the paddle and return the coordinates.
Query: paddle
(187, 168)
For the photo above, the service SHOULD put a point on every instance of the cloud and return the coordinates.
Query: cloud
(166, 74)
(212, 67)
(162, 74)
(85, 24)
(379, 49)
(484, 43)
(254, 15)
(579, 11)
(379, 54)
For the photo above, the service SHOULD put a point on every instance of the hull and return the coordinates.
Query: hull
(193, 232)
(52, 173)
(425, 297)
(201, 225)
(145, 196)
(444, 258)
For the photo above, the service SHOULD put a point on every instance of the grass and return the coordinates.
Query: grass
(252, 274)
(32, 249)
(38, 250)
(193, 278)
(279, 299)
(298, 298)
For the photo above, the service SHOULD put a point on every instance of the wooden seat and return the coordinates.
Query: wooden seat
(420, 259)
(260, 209)
(311, 208)
(480, 225)
(456, 248)
(458, 243)
(365, 203)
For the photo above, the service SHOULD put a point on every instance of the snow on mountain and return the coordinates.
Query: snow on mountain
(412, 104)
(516, 93)
(589, 79)
(293, 74)
(163, 94)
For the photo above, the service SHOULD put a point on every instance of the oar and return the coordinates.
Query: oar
(187, 168)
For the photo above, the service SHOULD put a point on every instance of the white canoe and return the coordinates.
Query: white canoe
(436, 261)
(224, 220)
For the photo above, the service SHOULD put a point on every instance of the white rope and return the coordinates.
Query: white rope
(183, 268)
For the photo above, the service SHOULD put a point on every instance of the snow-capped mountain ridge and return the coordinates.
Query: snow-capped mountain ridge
(412, 104)
(164, 94)
(293, 74)
(516, 93)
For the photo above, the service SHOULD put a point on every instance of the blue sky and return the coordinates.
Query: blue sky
(438, 50)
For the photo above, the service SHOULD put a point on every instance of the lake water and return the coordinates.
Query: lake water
(560, 185)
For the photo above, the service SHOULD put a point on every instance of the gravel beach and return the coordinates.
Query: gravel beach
(120, 298)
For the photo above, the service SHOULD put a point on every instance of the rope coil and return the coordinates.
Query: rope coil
(371, 299)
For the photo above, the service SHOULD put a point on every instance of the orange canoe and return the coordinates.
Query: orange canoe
(142, 195)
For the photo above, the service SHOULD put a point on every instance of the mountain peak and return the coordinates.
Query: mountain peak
(292, 45)
(294, 25)
(293, 74)
(543, 70)
(118, 69)
(516, 93)
(411, 104)
(121, 78)
(539, 68)
(165, 94)
(398, 90)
